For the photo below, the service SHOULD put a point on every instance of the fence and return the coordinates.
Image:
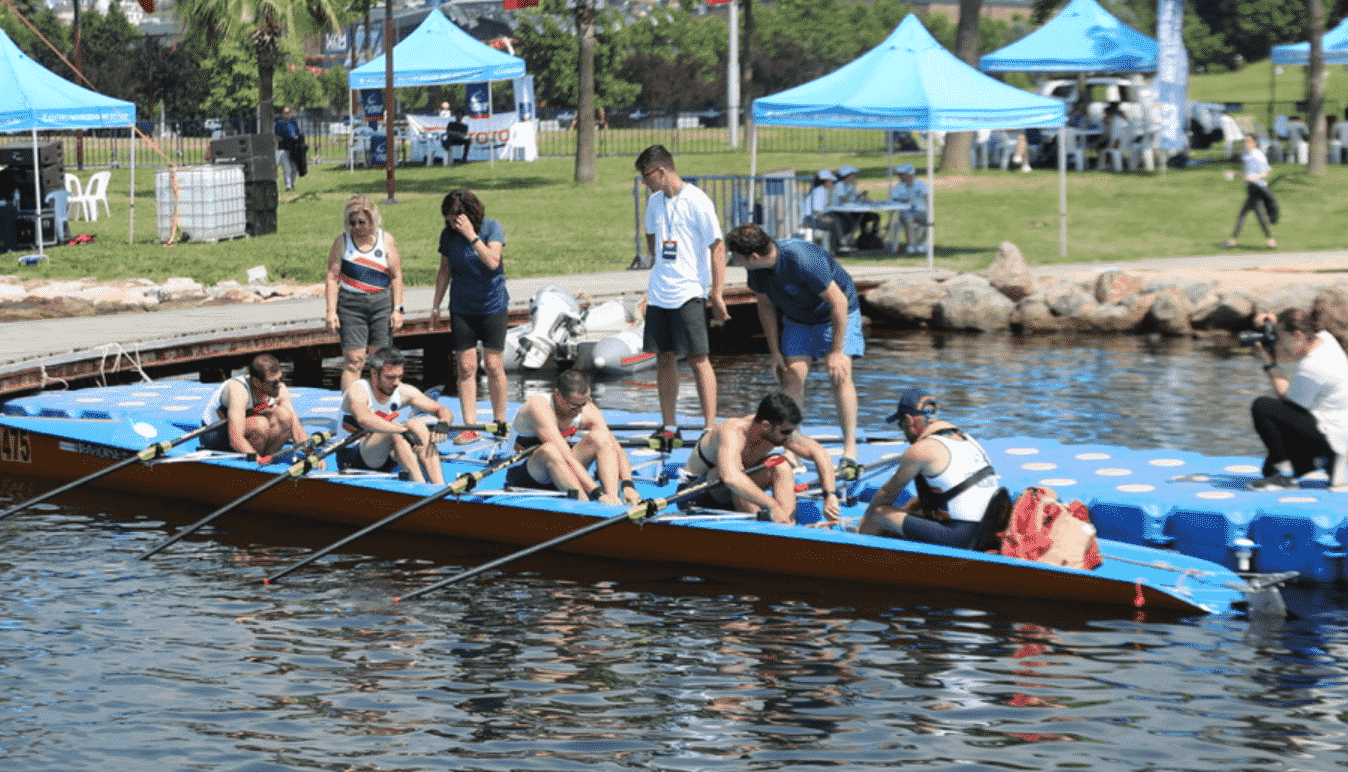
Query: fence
(772, 200)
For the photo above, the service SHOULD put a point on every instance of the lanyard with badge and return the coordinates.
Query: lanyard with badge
(669, 249)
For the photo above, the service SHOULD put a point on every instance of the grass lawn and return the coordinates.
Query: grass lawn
(555, 227)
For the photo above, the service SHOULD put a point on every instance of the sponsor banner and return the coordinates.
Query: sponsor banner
(372, 102)
(477, 99)
(1172, 74)
(524, 97)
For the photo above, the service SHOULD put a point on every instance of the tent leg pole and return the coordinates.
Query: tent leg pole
(131, 194)
(1062, 191)
(931, 202)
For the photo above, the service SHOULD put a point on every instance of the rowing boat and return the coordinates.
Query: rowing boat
(67, 435)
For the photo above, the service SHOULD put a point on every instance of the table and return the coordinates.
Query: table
(878, 207)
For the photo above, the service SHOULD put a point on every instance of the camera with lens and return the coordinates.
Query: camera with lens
(1266, 333)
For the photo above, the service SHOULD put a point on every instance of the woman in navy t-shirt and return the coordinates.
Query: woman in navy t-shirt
(470, 268)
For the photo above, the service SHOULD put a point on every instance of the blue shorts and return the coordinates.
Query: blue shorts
(816, 340)
(951, 533)
(216, 439)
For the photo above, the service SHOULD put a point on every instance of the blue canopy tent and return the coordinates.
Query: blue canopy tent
(1335, 44)
(36, 98)
(435, 53)
(1083, 37)
(911, 83)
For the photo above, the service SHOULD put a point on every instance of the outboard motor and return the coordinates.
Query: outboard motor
(557, 319)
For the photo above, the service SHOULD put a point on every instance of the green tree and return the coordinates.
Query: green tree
(299, 88)
(113, 56)
(28, 41)
(261, 28)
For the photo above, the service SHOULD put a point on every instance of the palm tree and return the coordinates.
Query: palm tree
(261, 25)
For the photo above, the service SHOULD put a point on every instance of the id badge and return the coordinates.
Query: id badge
(669, 250)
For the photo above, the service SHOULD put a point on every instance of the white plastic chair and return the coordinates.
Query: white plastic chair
(94, 192)
(75, 195)
(58, 201)
(1299, 136)
(1231, 135)
(978, 149)
(1078, 142)
(1338, 142)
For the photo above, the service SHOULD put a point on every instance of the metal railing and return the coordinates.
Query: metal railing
(772, 200)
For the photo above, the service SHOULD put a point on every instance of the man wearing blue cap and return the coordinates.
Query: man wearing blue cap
(955, 481)
(912, 192)
(821, 316)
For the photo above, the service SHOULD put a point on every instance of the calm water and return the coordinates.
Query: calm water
(187, 663)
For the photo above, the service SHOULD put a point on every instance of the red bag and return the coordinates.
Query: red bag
(1045, 530)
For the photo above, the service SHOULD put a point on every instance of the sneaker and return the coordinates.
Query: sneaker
(467, 437)
(1228, 244)
(1276, 482)
(666, 439)
(1272, 243)
(848, 468)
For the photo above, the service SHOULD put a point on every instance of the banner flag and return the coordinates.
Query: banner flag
(1172, 75)
(511, 5)
(524, 97)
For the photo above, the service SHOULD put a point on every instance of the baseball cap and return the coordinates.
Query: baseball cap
(905, 169)
(909, 401)
(827, 174)
(847, 169)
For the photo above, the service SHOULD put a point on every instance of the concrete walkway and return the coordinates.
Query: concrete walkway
(39, 346)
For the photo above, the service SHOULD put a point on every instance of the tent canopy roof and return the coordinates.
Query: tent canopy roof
(1335, 44)
(37, 98)
(908, 82)
(1083, 37)
(438, 52)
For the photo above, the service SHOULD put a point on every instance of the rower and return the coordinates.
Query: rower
(730, 447)
(373, 403)
(257, 406)
(957, 486)
(545, 421)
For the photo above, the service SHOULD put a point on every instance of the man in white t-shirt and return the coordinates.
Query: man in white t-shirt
(683, 235)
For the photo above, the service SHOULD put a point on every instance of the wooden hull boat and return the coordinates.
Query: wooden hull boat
(68, 435)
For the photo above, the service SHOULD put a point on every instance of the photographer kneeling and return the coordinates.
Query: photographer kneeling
(1306, 425)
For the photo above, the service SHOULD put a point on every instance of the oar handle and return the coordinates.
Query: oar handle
(149, 454)
(497, 428)
(297, 469)
(645, 509)
(462, 483)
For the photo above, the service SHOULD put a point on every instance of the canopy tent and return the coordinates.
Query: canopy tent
(1335, 44)
(37, 98)
(1083, 37)
(435, 53)
(911, 83)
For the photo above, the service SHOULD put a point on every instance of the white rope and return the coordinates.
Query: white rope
(65, 386)
(133, 360)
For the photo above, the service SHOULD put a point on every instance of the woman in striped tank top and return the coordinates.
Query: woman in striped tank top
(364, 287)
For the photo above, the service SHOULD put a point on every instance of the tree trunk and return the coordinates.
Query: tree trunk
(955, 158)
(1316, 92)
(266, 72)
(585, 150)
(747, 68)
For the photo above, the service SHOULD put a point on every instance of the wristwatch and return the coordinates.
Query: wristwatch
(475, 240)
(400, 310)
(1270, 366)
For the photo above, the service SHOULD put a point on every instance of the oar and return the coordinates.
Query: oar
(149, 454)
(295, 470)
(649, 442)
(832, 438)
(461, 484)
(646, 509)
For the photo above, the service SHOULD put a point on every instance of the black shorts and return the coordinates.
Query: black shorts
(518, 476)
(951, 533)
(349, 457)
(216, 439)
(681, 330)
(717, 497)
(466, 331)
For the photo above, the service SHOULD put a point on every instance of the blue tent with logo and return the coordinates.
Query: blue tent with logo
(435, 53)
(910, 82)
(38, 99)
(1083, 37)
(1335, 43)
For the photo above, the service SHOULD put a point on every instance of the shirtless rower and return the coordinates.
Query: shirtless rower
(724, 452)
(557, 463)
(257, 406)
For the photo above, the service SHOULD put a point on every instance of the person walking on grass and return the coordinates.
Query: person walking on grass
(1258, 198)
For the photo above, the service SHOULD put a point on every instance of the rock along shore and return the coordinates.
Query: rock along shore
(1194, 301)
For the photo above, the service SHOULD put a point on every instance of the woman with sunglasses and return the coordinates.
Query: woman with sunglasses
(364, 286)
(471, 269)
